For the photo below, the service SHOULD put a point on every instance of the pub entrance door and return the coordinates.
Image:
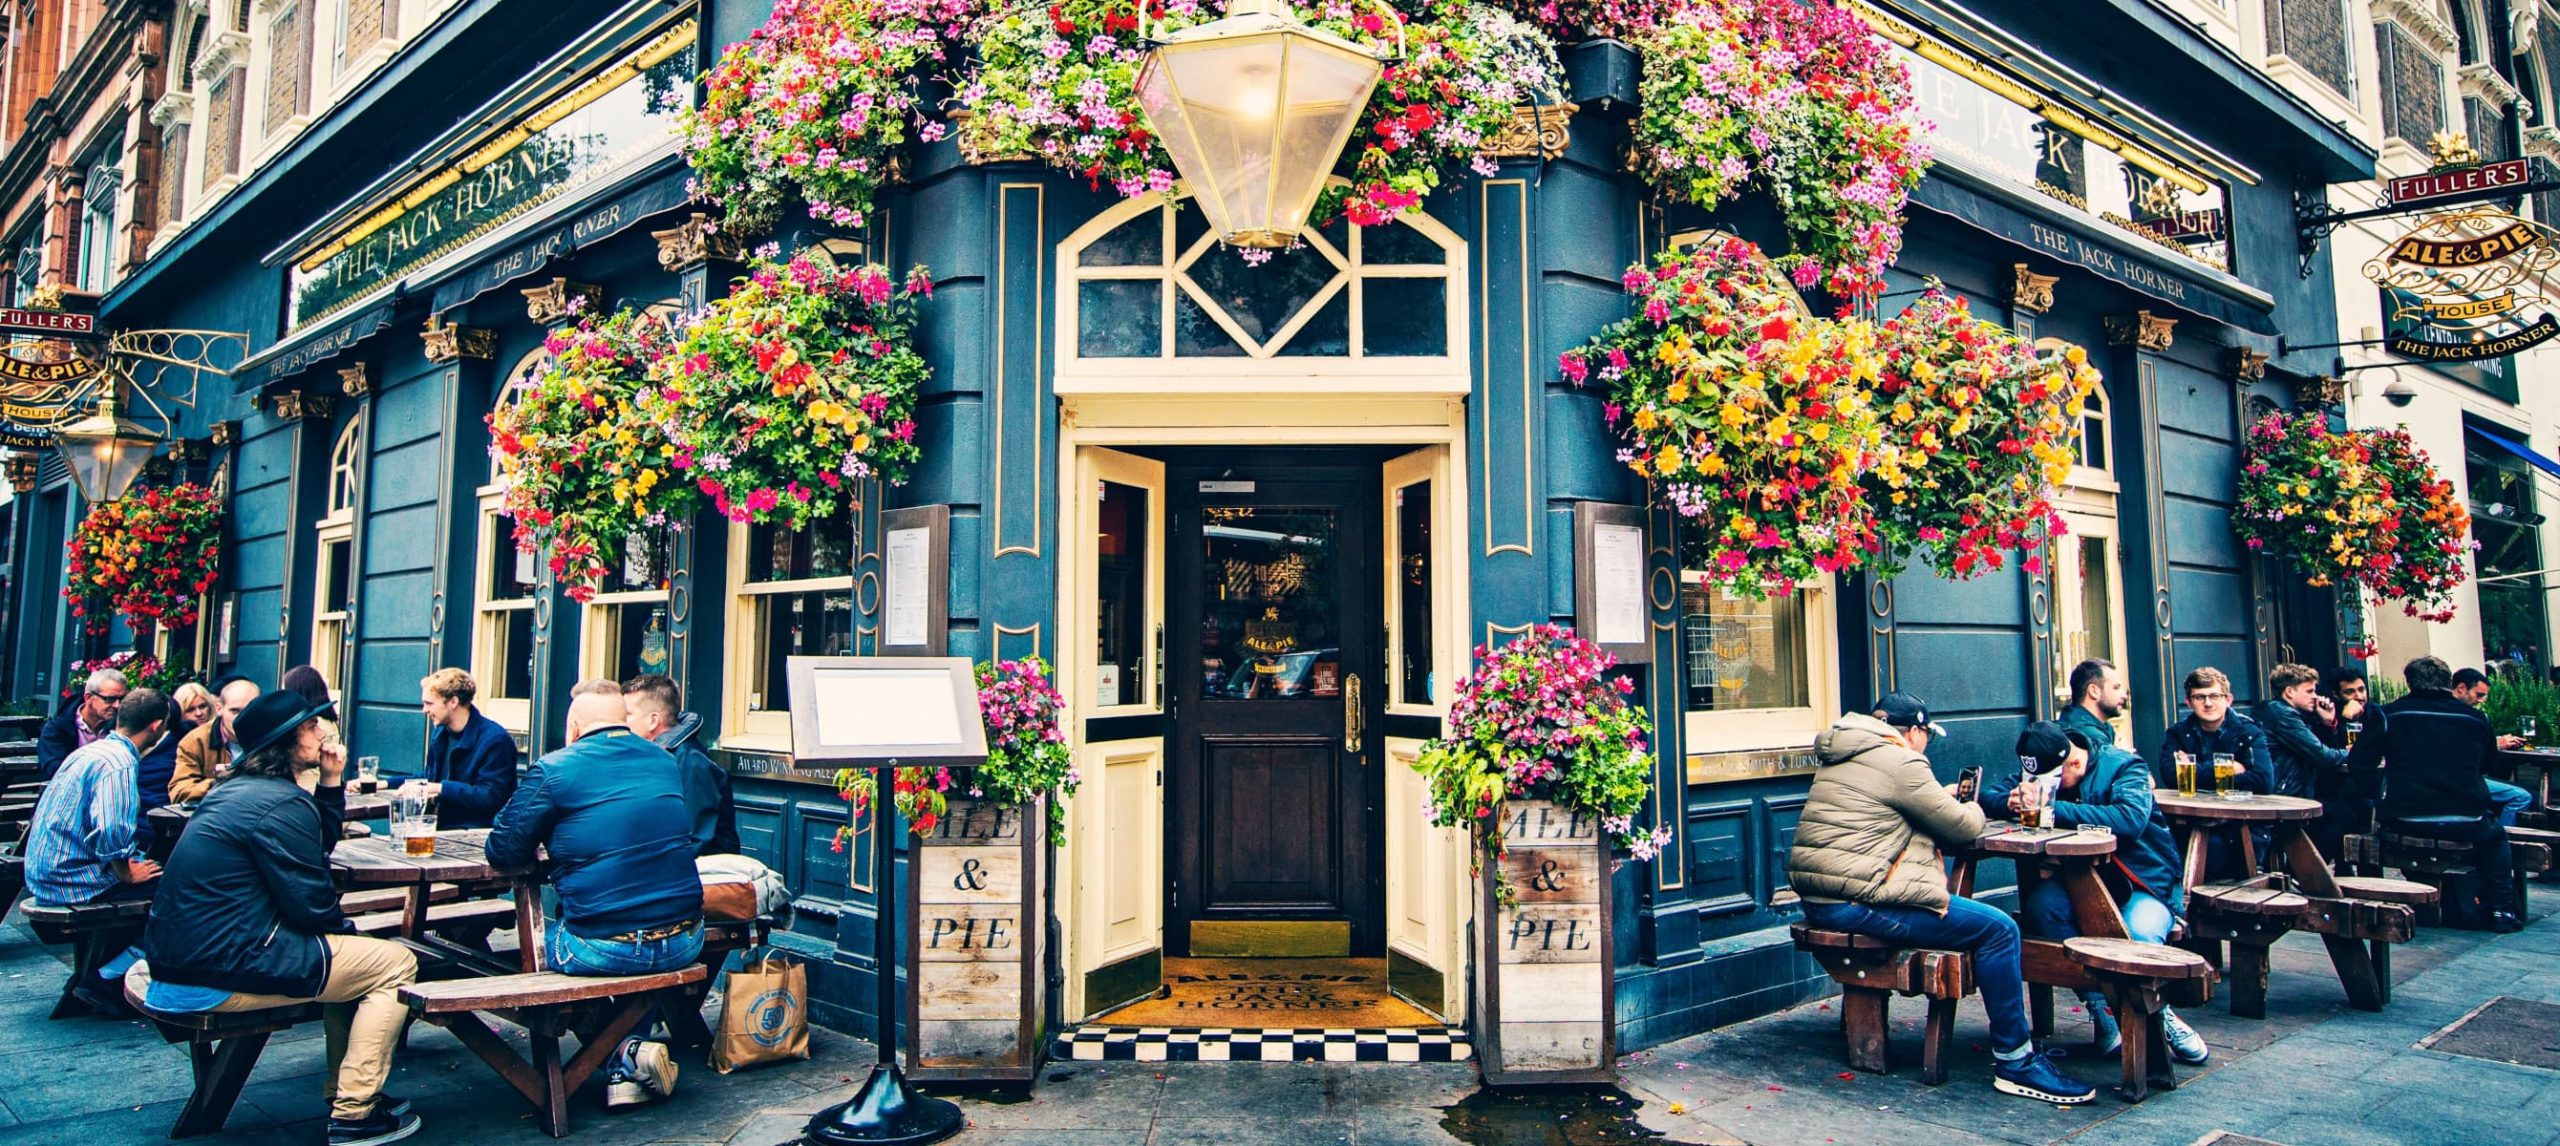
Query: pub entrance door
(1274, 839)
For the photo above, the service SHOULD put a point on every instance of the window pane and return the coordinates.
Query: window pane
(1196, 335)
(510, 570)
(1327, 335)
(1743, 654)
(1268, 607)
(2097, 599)
(646, 557)
(822, 549)
(2093, 439)
(1404, 318)
(1120, 318)
(1262, 299)
(1413, 593)
(1121, 592)
(794, 624)
(335, 558)
(635, 636)
(1136, 243)
(1399, 245)
(513, 655)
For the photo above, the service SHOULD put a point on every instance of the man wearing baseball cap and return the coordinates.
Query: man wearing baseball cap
(2101, 784)
(1866, 861)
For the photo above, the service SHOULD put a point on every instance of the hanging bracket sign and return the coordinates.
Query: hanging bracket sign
(2461, 283)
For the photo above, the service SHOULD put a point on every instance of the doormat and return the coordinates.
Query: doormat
(1213, 1044)
(1274, 993)
(2504, 1029)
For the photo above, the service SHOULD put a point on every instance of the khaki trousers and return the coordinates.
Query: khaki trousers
(360, 1019)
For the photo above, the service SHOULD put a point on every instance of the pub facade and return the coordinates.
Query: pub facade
(1256, 516)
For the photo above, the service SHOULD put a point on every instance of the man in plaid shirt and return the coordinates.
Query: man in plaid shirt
(81, 847)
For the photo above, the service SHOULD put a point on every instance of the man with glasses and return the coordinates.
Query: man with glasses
(2212, 729)
(77, 726)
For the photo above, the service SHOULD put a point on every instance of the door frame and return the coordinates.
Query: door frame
(1437, 896)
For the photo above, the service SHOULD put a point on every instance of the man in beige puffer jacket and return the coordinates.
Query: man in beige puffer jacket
(1866, 860)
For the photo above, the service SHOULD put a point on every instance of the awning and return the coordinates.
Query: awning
(601, 219)
(2519, 449)
(2065, 237)
(329, 339)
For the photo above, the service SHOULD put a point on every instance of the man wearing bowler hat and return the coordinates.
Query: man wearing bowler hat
(2101, 785)
(247, 918)
(1866, 861)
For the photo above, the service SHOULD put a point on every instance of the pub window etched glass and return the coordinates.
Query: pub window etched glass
(1120, 590)
(1738, 654)
(798, 594)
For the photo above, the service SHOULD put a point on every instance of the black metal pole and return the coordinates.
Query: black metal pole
(886, 1111)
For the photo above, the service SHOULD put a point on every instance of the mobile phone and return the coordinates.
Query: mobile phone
(1968, 782)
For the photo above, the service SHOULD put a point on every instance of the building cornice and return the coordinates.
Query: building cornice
(2482, 82)
(172, 109)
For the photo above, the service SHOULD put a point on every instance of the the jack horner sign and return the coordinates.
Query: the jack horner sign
(2466, 285)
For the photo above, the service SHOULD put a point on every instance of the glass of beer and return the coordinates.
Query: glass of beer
(2186, 773)
(2226, 776)
(2354, 729)
(413, 820)
(2031, 802)
(368, 773)
(2525, 727)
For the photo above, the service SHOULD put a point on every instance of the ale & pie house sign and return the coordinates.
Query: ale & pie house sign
(2461, 285)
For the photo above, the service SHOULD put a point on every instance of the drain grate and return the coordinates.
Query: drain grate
(2504, 1029)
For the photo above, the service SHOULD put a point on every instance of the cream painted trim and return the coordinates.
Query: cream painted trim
(1447, 648)
(1102, 465)
(595, 658)
(1112, 870)
(1428, 902)
(744, 726)
(1748, 730)
(2070, 645)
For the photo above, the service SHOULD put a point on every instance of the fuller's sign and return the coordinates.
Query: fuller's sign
(2461, 283)
(2460, 182)
(16, 320)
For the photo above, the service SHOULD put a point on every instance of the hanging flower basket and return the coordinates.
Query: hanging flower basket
(141, 670)
(1754, 421)
(2361, 506)
(800, 380)
(1028, 763)
(1800, 100)
(588, 461)
(1980, 425)
(1541, 719)
(820, 102)
(148, 557)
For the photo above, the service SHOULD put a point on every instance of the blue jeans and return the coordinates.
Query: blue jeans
(577, 955)
(1978, 928)
(2045, 912)
(2508, 800)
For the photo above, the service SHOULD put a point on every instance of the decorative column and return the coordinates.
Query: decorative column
(2150, 659)
(463, 357)
(2031, 297)
(554, 304)
(703, 260)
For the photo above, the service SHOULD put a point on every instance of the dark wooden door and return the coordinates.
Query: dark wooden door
(1273, 620)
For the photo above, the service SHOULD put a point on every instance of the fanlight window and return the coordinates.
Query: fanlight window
(342, 469)
(1160, 286)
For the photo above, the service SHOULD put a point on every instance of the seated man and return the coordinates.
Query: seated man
(206, 753)
(2104, 785)
(2471, 687)
(2293, 722)
(2211, 728)
(611, 807)
(82, 846)
(76, 726)
(657, 712)
(471, 761)
(249, 918)
(2431, 752)
(1866, 861)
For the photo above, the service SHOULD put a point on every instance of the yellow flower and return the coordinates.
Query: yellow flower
(1645, 419)
(1668, 461)
(1733, 414)
(1677, 391)
(1711, 465)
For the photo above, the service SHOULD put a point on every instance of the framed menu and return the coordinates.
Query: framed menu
(915, 581)
(1609, 564)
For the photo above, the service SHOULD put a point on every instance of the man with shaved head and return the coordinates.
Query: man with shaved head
(611, 807)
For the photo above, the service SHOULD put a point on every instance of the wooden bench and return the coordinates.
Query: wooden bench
(495, 912)
(2135, 977)
(2250, 917)
(1870, 971)
(2445, 863)
(2420, 899)
(221, 1046)
(96, 932)
(599, 1010)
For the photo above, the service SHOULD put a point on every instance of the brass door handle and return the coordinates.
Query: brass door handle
(1354, 715)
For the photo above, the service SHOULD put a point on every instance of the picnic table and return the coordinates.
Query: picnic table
(2063, 854)
(2253, 912)
(2531, 769)
(459, 860)
(169, 821)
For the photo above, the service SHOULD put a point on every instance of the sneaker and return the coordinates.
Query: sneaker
(2105, 1034)
(2186, 1047)
(107, 999)
(620, 1087)
(379, 1126)
(653, 1068)
(2505, 923)
(2035, 1076)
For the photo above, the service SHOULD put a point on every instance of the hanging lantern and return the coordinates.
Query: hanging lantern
(105, 451)
(1255, 107)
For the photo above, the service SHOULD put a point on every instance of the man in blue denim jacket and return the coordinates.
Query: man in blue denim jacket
(611, 807)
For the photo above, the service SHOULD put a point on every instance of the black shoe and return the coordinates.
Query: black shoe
(379, 1126)
(2505, 923)
(106, 998)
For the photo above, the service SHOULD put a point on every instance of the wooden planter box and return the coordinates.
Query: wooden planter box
(1544, 966)
(973, 956)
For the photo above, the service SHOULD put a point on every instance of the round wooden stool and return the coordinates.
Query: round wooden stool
(2132, 974)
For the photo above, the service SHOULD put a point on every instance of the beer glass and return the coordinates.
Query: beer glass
(2032, 798)
(368, 773)
(413, 819)
(2354, 729)
(2525, 727)
(2186, 773)
(2226, 776)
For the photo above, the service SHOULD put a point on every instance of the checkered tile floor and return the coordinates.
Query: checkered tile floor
(1269, 1044)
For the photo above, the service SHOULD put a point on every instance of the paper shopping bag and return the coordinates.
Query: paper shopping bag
(764, 1014)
